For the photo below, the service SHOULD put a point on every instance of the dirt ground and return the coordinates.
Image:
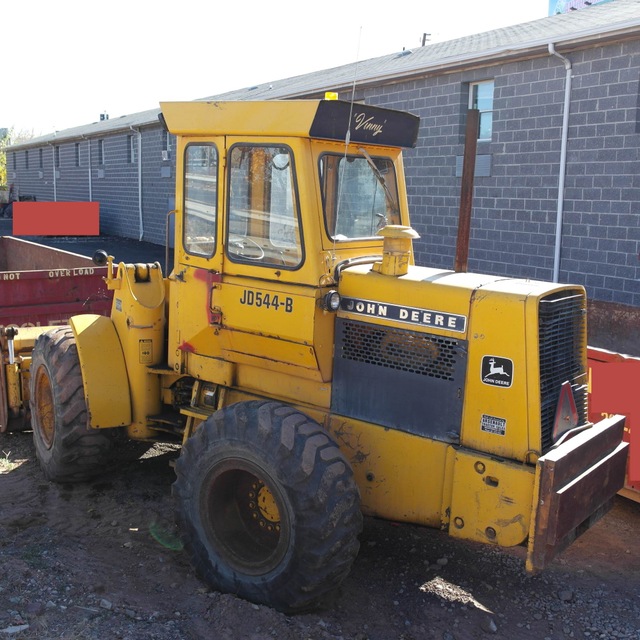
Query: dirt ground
(102, 560)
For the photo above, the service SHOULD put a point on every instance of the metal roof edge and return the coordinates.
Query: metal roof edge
(497, 55)
(84, 132)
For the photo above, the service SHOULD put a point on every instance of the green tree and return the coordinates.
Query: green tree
(4, 141)
(7, 138)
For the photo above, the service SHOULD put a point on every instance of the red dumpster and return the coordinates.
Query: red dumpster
(614, 387)
(40, 285)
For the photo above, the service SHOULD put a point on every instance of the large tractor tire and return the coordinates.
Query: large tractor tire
(267, 506)
(67, 449)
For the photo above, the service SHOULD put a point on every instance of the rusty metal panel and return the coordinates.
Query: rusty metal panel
(614, 326)
(576, 483)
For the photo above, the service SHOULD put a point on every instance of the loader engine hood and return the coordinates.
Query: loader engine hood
(457, 356)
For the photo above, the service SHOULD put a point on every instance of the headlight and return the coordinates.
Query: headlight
(331, 301)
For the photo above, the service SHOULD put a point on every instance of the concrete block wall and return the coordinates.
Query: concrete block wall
(72, 174)
(603, 176)
(36, 180)
(115, 185)
(515, 208)
(158, 182)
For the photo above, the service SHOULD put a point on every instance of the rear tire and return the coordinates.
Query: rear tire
(267, 506)
(67, 449)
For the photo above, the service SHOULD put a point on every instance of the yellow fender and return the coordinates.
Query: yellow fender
(104, 373)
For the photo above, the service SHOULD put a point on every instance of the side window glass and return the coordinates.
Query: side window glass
(481, 98)
(359, 195)
(200, 199)
(264, 224)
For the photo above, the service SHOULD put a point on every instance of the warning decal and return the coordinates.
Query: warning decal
(491, 424)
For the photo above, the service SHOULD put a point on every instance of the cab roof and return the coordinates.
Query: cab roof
(322, 119)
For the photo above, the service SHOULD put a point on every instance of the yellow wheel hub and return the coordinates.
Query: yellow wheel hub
(44, 402)
(267, 505)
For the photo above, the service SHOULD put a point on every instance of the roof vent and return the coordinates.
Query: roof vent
(404, 52)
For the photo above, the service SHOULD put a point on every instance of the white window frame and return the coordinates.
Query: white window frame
(486, 114)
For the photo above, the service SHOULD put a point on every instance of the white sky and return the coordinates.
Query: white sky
(66, 62)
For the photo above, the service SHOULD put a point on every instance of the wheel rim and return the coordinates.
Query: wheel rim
(245, 518)
(45, 422)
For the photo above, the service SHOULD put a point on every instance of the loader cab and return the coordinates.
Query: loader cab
(271, 199)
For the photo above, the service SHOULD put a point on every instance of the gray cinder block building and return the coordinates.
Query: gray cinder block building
(557, 185)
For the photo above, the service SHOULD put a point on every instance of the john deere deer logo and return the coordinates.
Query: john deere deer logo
(497, 371)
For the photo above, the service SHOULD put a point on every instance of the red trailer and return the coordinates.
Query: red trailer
(39, 286)
(614, 387)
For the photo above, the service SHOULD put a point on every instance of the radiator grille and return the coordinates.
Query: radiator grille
(426, 355)
(562, 339)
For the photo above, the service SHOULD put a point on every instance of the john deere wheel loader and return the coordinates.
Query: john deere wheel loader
(313, 373)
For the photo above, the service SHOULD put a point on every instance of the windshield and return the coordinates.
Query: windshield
(359, 195)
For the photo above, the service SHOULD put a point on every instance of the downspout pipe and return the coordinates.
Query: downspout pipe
(90, 178)
(563, 159)
(139, 145)
(90, 171)
(53, 164)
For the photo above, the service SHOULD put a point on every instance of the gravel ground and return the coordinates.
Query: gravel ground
(102, 560)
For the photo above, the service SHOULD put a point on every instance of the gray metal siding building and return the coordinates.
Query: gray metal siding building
(102, 163)
(564, 145)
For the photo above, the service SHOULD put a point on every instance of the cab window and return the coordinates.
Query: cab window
(359, 195)
(263, 217)
(200, 199)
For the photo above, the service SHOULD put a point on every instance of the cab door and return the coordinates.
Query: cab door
(270, 287)
(198, 250)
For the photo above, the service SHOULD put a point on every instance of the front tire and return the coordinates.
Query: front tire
(267, 506)
(67, 449)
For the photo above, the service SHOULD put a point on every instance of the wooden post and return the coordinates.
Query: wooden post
(466, 190)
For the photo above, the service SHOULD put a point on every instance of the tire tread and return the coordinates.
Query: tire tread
(78, 452)
(317, 478)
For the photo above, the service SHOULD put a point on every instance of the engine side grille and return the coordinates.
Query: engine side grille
(398, 378)
(408, 351)
(562, 339)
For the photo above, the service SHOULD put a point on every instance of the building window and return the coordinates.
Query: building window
(166, 145)
(41, 158)
(100, 152)
(166, 141)
(132, 148)
(15, 161)
(481, 98)
(56, 154)
(26, 159)
(77, 154)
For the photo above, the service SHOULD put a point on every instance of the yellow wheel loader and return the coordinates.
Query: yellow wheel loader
(313, 373)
